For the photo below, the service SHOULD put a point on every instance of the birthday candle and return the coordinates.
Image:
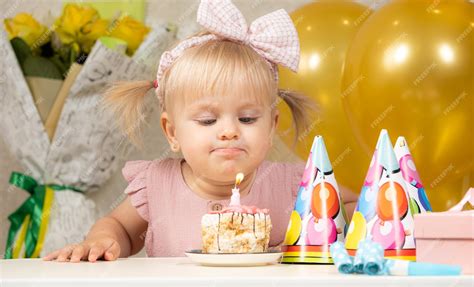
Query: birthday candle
(235, 198)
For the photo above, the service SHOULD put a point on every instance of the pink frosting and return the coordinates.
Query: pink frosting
(242, 209)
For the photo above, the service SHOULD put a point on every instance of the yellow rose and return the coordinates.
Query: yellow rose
(24, 26)
(91, 32)
(129, 30)
(80, 24)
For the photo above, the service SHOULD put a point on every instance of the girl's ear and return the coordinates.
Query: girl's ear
(275, 119)
(169, 130)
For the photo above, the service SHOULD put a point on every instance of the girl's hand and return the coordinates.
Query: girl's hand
(89, 250)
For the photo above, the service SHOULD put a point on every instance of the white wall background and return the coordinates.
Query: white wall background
(181, 12)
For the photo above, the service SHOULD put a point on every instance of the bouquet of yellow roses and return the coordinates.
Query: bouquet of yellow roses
(51, 84)
(46, 55)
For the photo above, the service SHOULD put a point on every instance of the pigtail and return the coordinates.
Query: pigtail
(126, 101)
(303, 109)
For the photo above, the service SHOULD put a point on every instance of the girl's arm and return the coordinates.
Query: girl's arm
(118, 234)
(350, 200)
(125, 225)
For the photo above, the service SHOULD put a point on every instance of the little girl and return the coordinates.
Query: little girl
(218, 93)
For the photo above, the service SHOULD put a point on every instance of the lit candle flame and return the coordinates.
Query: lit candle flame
(238, 179)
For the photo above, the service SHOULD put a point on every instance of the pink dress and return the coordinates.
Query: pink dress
(160, 195)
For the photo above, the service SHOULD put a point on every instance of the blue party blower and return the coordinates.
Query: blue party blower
(369, 260)
(409, 268)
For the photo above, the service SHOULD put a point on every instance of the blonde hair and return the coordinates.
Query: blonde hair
(208, 69)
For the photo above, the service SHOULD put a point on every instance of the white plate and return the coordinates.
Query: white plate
(234, 259)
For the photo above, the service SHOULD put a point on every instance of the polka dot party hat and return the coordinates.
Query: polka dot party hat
(318, 218)
(384, 211)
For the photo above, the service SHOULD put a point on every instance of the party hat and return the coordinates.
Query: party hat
(382, 211)
(418, 200)
(319, 217)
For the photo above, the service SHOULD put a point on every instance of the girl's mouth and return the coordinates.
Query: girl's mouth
(228, 151)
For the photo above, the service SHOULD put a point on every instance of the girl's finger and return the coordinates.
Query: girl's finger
(52, 255)
(113, 252)
(96, 251)
(65, 253)
(78, 253)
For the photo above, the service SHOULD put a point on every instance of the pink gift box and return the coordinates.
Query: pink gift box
(446, 237)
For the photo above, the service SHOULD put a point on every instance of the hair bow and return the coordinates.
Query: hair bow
(273, 36)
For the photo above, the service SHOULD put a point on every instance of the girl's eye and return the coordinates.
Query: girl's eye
(206, 122)
(247, 120)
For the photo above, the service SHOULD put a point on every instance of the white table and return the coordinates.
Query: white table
(137, 272)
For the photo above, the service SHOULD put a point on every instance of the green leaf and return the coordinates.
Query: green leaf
(21, 48)
(72, 56)
(35, 66)
(62, 67)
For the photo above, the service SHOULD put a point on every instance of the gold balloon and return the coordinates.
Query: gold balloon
(410, 70)
(325, 29)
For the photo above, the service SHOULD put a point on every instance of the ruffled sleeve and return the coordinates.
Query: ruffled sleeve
(135, 172)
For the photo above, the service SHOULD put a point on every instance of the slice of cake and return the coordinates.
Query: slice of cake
(236, 229)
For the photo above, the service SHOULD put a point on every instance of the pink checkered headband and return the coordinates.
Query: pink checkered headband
(272, 36)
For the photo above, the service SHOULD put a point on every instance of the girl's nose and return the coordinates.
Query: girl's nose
(229, 131)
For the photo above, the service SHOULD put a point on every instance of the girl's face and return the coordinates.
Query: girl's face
(220, 136)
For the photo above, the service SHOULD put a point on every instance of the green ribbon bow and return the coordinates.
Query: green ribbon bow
(32, 206)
